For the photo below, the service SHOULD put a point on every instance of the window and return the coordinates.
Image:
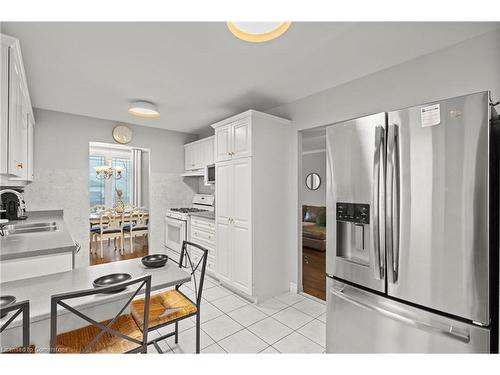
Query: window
(123, 183)
(103, 191)
(96, 186)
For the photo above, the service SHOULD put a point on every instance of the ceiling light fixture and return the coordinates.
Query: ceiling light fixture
(257, 32)
(143, 109)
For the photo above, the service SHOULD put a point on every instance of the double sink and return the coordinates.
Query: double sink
(9, 229)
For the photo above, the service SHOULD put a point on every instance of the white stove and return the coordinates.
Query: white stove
(176, 223)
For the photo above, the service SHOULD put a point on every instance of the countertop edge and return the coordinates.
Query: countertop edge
(36, 253)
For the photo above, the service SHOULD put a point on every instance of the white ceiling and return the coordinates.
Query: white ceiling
(199, 73)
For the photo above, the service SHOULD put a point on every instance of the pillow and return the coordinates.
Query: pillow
(321, 217)
(311, 214)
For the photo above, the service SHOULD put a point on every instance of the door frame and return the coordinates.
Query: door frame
(299, 288)
(146, 151)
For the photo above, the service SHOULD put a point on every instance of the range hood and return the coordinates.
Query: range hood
(194, 173)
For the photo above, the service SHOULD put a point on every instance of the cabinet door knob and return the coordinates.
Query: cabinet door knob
(19, 165)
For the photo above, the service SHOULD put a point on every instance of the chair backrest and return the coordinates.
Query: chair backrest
(110, 220)
(144, 282)
(137, 219)
(22, 307)
(196, 269)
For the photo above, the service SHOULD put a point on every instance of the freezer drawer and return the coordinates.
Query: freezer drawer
(363, 322)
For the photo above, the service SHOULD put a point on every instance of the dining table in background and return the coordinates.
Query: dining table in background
(95, 217)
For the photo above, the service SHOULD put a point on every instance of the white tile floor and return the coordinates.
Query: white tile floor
(289, 323)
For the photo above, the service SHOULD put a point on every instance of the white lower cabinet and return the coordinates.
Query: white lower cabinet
(233, 220)
(202, 232)
(24, 268)
(224, 260)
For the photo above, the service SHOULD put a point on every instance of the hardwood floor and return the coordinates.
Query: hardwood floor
(110, 255)
(314, 272)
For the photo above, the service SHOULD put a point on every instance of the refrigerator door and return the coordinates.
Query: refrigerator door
(355, 201)
(437, 191)
(358, 321)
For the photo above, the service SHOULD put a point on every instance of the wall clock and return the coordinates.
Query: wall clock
(122, 134)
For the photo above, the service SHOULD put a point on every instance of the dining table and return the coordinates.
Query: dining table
(38, 291)
(95, 217)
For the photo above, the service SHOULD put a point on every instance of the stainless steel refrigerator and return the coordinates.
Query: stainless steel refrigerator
(412, 230)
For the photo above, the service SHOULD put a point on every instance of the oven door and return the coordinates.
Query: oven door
(175, 234)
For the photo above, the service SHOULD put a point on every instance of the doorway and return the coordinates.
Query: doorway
(119, 202)
(313, 193)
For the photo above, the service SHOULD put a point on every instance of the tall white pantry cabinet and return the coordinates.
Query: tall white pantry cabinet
(251, 187)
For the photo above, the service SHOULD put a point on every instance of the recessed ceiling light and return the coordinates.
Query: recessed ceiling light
(257, 32)
(143, 109)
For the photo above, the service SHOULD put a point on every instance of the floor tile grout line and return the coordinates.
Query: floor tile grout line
(312, 298)
(219, 317)
(266, 315)
(278, 339)
(244, 327)
(267, 347)
(310, 339)
(307, 338)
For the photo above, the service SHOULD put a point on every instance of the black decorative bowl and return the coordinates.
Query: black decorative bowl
(154, 260)
(111, 279)
(6, 301)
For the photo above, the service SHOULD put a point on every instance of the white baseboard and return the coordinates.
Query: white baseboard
(293, 287)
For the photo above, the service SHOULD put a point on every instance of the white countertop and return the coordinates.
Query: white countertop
(38, 290)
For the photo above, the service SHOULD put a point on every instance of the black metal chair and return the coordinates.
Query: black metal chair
(118, 335)
(22, 307)
(172, 306)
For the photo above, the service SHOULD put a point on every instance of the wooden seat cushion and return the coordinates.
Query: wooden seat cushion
(163, 307)
(75, 341)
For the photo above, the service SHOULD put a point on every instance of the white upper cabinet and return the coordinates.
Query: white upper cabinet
(223, 137)
(16, 116)
(199, 154)
(233, 140)
(242, 139)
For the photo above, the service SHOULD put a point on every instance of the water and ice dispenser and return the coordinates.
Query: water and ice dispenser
(353, 232)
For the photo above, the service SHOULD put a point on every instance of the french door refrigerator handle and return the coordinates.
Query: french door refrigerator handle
(436, 327)
(392, 201)
(377, 165)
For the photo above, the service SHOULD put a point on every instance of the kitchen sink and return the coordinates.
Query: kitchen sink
(30, 228)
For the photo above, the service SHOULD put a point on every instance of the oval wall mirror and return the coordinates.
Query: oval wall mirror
(313, 181)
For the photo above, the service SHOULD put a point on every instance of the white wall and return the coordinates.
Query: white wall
(314, 163)
(467, 67)
(61, 171)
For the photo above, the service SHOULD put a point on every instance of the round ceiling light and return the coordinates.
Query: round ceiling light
(143, 109)
(258, 32)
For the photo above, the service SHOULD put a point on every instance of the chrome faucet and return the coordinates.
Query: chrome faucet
(22, 205)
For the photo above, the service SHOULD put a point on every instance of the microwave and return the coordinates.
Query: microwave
(210, 174)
